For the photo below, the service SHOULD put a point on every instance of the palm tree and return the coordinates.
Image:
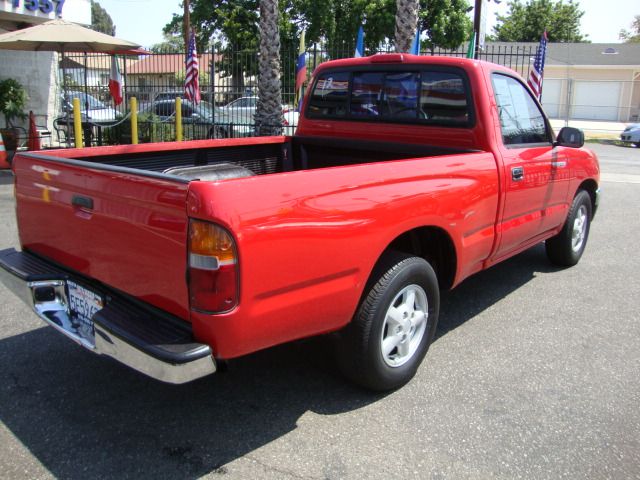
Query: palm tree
(406, 24)
(269, 108)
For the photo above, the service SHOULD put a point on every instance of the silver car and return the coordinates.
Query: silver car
(631, 134)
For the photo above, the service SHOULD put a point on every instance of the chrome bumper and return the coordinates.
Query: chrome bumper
(139, 336)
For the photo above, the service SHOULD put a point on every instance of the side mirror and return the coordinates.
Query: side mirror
(570, 137)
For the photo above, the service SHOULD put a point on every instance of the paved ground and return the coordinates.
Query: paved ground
(534, 375)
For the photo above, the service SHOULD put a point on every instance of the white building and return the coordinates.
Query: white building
(37, 71)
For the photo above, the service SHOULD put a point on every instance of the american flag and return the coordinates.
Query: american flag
(537, 73)
(191, 81)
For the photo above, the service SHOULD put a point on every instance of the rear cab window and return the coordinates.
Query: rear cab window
(421, 96)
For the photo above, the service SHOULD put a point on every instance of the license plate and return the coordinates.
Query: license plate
(83, 304)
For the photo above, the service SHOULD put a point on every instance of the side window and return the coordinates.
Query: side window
(521, 120)
(330, 97)
(443, 98)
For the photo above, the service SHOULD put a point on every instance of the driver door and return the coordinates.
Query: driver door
(536, 175)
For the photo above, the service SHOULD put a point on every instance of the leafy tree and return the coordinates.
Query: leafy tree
(634, 35)
(442, 23)
(100, 20)
(233, 24)
(526, 22)
(171, 44)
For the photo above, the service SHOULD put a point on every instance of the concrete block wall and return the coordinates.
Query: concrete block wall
(36, 71)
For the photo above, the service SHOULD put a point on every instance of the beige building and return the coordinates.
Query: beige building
(591, 81)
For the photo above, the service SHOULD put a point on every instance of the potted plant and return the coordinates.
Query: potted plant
(13, 100)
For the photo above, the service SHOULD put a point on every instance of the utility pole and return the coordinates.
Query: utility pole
(186, 25)
(477, 18)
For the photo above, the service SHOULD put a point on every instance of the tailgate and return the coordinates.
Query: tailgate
(123, 227)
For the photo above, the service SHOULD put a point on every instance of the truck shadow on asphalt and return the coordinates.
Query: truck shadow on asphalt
(83, 416)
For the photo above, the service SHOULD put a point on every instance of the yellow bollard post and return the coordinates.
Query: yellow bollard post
(178, 119)
(134, 120)
(77, 123)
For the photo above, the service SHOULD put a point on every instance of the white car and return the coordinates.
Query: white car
(631, 134)
(243, 109)
(90, 107)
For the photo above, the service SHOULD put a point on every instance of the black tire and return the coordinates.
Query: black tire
(566, 248)
(217, 132)
(360, 348)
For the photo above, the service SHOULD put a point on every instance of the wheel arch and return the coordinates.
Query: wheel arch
(591, 187)
(433, 244)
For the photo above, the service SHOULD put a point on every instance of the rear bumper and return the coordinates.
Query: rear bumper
(137, 335)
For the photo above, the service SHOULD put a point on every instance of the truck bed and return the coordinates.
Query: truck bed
(285, 155)
(93, 211)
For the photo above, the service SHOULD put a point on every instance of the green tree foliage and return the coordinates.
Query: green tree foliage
(13, 100)
(232, 26)
(443, 23)
(634, 35)
(234, 23)
(171, 44)
(100, 20)
(526, 22)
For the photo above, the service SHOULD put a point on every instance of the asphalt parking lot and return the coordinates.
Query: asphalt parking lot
(534, 374)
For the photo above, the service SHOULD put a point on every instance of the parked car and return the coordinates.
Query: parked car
(204, 121)
(631, 134)
(91, 108)
(244, 108)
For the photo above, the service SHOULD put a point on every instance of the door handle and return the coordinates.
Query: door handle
(82, 202)
(517, 173)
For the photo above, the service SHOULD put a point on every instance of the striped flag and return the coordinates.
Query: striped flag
(301, 69)
(191, 80)
(360, 43)
(537, 73)
(115, 81)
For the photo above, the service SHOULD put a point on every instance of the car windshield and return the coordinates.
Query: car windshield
(94, 103)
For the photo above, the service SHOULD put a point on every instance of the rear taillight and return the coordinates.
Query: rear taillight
(213, 268)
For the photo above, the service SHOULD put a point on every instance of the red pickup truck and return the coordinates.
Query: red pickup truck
(405, 176)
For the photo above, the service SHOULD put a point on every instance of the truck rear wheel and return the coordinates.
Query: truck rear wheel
(382, 348)
(566, 248)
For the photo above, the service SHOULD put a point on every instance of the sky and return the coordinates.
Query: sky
(142, 21)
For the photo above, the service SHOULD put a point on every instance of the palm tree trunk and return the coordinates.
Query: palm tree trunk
(269, 109)
(406, 24)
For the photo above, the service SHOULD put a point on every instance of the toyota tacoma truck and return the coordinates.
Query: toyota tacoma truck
(406, 175)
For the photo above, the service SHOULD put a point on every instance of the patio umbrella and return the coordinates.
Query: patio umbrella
(62, 36)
